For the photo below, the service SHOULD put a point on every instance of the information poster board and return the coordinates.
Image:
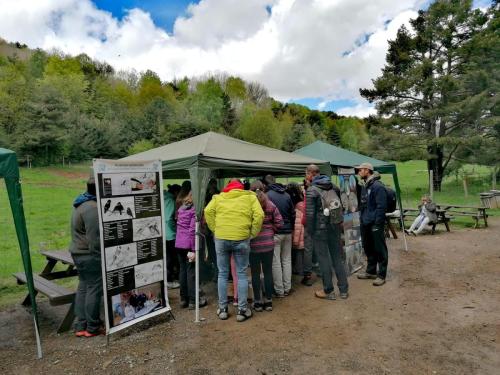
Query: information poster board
(130, 202)
(352, 227)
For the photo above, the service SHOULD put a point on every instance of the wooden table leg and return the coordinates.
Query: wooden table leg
(68, 319)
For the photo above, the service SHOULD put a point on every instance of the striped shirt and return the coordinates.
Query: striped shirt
(264, 241)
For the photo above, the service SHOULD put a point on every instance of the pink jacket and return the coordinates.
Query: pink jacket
(298, 229)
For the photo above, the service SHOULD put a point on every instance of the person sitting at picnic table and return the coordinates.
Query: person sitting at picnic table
(427, 214)
(85, 248)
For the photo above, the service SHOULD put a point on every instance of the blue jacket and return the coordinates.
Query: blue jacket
(373, 202)
(282, 200)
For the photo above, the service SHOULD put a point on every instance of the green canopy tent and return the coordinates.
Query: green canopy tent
(9, 171)
(341, 158)
(215, 155)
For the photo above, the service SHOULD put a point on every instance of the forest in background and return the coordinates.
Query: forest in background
(54, 105)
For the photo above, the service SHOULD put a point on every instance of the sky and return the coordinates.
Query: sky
(312, 52)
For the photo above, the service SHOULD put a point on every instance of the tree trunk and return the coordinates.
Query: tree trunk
(435, 163)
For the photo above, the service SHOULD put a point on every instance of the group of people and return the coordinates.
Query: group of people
(259, 224)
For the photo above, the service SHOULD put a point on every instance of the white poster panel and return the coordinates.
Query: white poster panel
(352, 227)
(130, 202)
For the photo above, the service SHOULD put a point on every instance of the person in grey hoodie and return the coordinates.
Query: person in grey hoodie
(85, 248)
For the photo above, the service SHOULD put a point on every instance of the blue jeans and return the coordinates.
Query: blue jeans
(241, 252)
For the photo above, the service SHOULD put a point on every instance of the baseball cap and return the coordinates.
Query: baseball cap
(365, 165)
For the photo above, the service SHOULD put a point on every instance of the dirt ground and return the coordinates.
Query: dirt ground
(437, 314)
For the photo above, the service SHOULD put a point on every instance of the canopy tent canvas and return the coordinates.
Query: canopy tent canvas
(216, 155)
(341, 158)
(9, 171)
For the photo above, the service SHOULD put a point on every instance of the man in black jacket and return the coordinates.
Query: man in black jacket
(282, 261)
(326, 236)
(373, 207)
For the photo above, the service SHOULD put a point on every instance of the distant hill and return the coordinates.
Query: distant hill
(21, 51)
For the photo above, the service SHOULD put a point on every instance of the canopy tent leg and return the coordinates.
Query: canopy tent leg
(16, 204)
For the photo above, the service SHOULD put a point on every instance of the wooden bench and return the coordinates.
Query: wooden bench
(475, 212)
(57, 295)
(442, 217)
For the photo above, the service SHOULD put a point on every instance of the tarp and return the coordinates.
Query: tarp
(339, 157)
(9, 171)
(217, 155)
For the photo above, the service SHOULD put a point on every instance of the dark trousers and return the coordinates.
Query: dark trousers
(89, 293)
(264, 260)
(329, 252)
(373, 238)
(298, 261)
(172, 262)
(307, 264)
(187, 277)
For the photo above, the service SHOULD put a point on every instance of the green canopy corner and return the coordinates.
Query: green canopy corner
(9, 171)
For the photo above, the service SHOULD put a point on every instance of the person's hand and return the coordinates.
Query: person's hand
(191, 256)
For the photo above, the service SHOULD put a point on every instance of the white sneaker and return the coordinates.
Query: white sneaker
(173, 285)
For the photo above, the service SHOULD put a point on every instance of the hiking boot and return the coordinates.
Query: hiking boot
(379, 281)
(366, 276)
(307, 281)
(257, 306)
(323, 295)
(344, 295)
(173, 285)
(243, 315)
(223, 314)
(268, 306)
(203, 303)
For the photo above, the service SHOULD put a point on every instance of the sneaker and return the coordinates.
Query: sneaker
(366, 276)
(223, 314)
(183, 304)
(414, 234)
(243, 315)
(278, 295)
(257, 306)
(268, 306)
(235, 302)
(288, 292)
(379, 281)
(407, 231)
(344, 295)
(329, 296)
(80, 333)
(307, 281)
(203, 303)
(99, 332)
(173, 285)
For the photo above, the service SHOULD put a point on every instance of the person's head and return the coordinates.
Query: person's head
(258, 187)
(185, 189)
(91, 186)
(174, 189)
(188, 199)
(425, 199)
(312, 170)
(364, 170)
(269, 179)
(295, 192)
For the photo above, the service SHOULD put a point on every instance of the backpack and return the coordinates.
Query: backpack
(331, 205)
(391, 200)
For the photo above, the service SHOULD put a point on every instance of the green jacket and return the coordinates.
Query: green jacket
(169, 212)
(85, 238)
(236, 215)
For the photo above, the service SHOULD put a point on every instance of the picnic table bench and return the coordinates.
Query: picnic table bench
(475, 212)
(57, 294)
(442, 217)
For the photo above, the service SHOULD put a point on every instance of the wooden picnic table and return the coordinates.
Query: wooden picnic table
(475, 212)
(57, 294)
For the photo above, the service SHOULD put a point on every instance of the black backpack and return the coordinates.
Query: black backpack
(331, 206)
(391, 200)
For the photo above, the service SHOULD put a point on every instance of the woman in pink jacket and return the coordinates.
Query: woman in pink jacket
(294, 190)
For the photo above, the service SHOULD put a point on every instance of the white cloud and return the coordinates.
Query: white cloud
(359, 110)
(296, 50)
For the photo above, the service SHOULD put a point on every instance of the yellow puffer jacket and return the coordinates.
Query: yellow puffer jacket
(235, 215)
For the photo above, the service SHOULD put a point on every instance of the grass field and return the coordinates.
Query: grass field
(49, 193)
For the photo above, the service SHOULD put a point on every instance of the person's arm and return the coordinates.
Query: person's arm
(257, 217)
(292, 212)
(380, 205)
(91, 221)
(210, 213)
(192, 230)
(431, 207)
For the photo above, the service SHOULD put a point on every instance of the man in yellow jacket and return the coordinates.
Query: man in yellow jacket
(234, 216)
